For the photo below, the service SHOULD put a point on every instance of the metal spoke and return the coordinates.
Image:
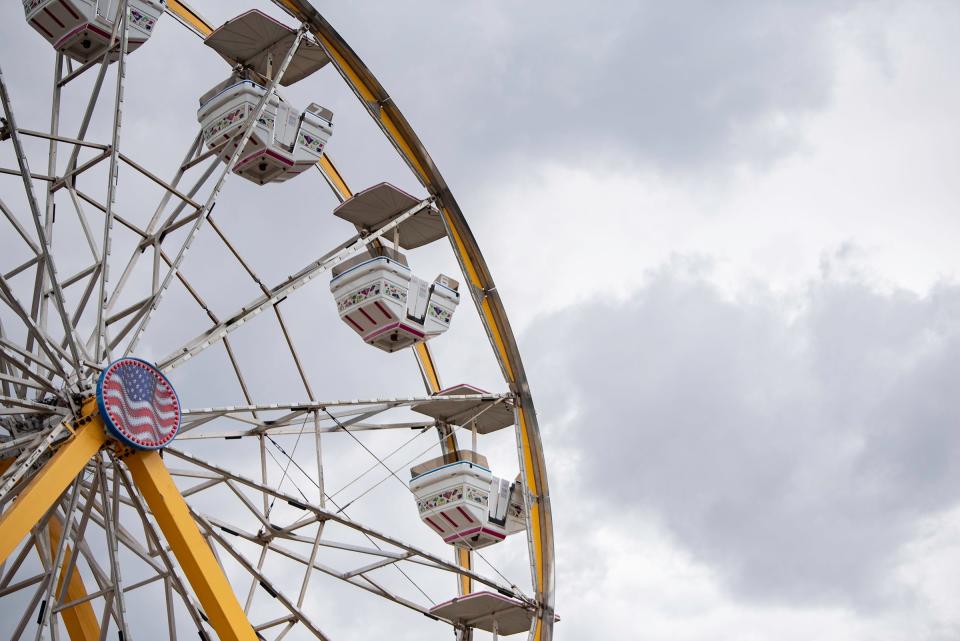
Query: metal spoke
(327, 515)
(278, 595)
(35, 209)
(131, 263)
(110, 510)
(212, 199)
(102, 348)
(333, 258)
(44, 276)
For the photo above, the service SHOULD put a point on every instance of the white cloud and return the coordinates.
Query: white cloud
(875, 171)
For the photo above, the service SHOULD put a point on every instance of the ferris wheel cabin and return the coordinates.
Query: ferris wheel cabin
(458, 497)
(285, 140)
(465, 503)
(377, 295)
(81, 29)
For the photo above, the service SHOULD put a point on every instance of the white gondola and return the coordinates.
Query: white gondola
(390, 308)
(285, 141)
(81, 29)
(465, 503)
(377, 295)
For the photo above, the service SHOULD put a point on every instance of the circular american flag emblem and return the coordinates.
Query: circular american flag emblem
(138, 404)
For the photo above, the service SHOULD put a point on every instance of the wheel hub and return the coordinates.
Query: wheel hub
(138, 404)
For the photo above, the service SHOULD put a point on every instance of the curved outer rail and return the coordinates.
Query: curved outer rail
(482, 288)
(388, 116)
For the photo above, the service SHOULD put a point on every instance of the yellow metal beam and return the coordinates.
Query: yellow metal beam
(191, 549)
(333, 175)
(429, 368)
(190, 17)
(48, 484)
(81, 621)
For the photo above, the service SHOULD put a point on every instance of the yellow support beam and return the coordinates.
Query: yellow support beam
(428, 366)
(81, 621)
(191, 549)
(48, 484)
(333, 175)
(189, 17)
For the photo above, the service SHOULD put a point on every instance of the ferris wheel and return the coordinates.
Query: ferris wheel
(133, 501)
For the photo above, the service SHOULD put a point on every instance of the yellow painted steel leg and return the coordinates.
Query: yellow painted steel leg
(81, 622)
(428, 367)
(333, 175)
(191, 17)
(48, 484)
(188, 545)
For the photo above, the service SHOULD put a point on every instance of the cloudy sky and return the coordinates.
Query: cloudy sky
(724, 235)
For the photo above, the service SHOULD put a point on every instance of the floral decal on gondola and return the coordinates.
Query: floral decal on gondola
(225, 121)
(310, 143)
(358, 297)
(141, 20)
(440, 314)
(477, 496)
(395, 292)
(266, 120)
(443, 498)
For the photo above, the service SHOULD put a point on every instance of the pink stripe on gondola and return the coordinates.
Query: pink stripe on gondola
(368, 316)
(47, 11)
(353, 322)
(66, 5)
(383, 309)
(40, 27)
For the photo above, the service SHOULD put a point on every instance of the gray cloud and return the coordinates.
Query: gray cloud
(793, 445)
(677, 86)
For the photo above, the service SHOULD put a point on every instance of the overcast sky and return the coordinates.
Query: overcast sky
(725, 234)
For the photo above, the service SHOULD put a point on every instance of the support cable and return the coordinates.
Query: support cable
(287, 468)
(341, 510)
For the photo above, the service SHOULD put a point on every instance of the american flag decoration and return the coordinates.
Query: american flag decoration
(138, 404)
